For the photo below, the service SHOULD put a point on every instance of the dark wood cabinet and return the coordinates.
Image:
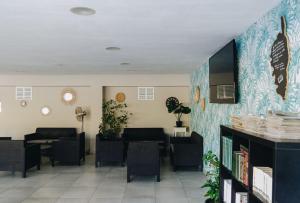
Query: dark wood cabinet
(282, 155)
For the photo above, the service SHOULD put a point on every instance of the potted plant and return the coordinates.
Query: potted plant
(213, 175)
(114, 118)
(178, 109)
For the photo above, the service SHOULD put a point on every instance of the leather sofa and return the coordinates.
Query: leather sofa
(146, 134)
(68, 148)
(187, 151)
(51, 133)
(16, 156)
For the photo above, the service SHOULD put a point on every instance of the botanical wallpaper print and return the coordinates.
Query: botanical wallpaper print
(256, 83)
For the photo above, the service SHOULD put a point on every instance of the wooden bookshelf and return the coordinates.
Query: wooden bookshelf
(282, 155)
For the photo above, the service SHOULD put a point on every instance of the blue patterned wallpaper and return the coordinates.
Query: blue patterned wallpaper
(256, 84)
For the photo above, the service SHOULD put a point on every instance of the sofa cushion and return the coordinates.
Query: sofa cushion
(144, 134)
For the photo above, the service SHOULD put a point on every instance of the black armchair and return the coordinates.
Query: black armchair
(69, 150)
(143, 159)
(15, 156)
(109, 150)
(187, 151)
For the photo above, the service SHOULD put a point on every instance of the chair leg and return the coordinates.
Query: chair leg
(52, 162)
(96, 164)
(158, 178)
(128, 178)
(24, 173)
(38, 167)
(174, 168)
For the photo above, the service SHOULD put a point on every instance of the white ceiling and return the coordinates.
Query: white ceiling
(155, 36)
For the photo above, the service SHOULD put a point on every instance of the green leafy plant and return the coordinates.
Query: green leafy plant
(180, 110)
(213, 175)
(114, 118)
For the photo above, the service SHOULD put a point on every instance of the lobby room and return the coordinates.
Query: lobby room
(114, 101)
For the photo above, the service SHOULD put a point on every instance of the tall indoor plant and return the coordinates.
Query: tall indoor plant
(213, 177)
(114, 118)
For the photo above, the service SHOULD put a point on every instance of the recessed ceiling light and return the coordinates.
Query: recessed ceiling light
(125, 64)
(112, 48)
(83, 11)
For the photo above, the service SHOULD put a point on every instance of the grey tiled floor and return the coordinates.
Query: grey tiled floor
(106, 184)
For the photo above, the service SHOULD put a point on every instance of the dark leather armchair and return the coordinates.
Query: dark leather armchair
(146, 134)
(187, 151)
(109, 150)
(143, 159)
(15, 156)
(69, 150)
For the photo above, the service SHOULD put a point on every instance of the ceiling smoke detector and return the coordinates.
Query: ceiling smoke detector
(112, 48)
(83, 11)
(125, 64)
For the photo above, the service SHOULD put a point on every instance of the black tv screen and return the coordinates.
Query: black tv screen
(223, 75)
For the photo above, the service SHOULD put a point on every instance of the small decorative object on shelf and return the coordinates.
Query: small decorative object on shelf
(213, 177)
(178, 109)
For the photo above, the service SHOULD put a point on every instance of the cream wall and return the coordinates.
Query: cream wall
(151, 113)
(16, 121)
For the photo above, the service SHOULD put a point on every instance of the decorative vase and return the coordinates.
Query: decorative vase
(178, 123)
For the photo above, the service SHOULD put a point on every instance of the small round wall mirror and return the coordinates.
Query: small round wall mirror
(68, 96)
(45, 110)
(23, 103)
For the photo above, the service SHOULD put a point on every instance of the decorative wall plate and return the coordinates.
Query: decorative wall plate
(197, 94)
(203, 104)
(68, 96)
(120, 97)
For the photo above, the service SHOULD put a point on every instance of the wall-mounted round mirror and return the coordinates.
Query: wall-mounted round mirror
(68, 96)
(45, 110)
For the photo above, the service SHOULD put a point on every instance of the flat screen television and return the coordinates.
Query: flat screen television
(223, 71)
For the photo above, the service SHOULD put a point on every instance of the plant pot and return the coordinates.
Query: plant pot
(210, 201)
(178, 123)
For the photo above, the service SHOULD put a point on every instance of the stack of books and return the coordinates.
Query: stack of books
(241, 197)
(283, 125)
(236, 122)
(227, 153)
(227, 185)
(249, 122)
(262, 183)
(240, 165)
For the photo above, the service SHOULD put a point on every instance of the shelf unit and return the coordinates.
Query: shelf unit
(282, 155)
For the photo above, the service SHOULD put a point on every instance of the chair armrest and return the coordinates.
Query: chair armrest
(32, 136)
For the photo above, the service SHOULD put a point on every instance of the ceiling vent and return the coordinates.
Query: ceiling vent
(145, 93)
(23, 93)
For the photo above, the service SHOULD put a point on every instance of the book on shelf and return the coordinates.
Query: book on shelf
(227, 185)
(262, 183)
(241, 197)
(240, 165)
(227, 152)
